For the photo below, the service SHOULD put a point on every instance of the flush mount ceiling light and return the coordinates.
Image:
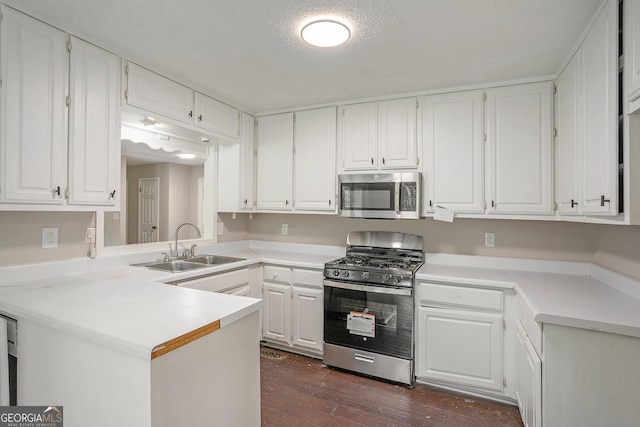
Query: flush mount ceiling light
(325, 33)
(186, 156)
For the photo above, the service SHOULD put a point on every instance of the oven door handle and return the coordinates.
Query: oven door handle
(368, 288)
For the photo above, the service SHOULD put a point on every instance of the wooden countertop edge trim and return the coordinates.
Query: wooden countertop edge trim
(185, 339)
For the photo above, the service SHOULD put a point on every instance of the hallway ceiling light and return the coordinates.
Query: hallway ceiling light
(325, 33)
(186, 155)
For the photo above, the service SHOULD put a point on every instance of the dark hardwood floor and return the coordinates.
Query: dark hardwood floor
(300, 391)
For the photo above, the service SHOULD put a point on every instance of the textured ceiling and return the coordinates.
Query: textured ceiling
(248, 52)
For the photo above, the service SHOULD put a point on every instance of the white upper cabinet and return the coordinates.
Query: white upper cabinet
(315, 159)
(157, 94)
(360, 136)
(236, 171)
(632, 53)
(453, 143)
(94, 132)
(216, 116)
(599, 77)
(568, 122)
(274, 175)
(518, 150)
(33, 126)
(397, 133)
(379, 135)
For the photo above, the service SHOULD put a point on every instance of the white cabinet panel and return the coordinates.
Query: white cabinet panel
(599, 77)
(462, 347)
(453, 138)
(528, 380)
(308, 318)
(33, 138)
(236, 172)
(315, 159)
(217, 117)
(274, 174)
(518, 157)
(632, 52)
(276, 313)
(158, 94)
(397, 144)
(94, 134)
(568, 122)
(360, 136)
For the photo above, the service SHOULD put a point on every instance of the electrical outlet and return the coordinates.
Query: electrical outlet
(490, 239)
(285, 229)
(49, 238)
(220, 228)
(90, 236)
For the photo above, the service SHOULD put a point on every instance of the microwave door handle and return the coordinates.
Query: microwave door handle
(397, 198)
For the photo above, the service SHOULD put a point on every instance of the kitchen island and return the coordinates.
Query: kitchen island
(115, 347)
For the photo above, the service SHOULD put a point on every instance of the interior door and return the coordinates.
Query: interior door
(148, 206)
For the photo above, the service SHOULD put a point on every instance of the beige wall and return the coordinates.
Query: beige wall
(21, 236)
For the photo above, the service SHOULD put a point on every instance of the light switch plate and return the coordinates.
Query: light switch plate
(285, 229)
(490, 239)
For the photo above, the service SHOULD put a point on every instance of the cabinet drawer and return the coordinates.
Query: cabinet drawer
(460, 296)
(307, 277)
(277, 274)
(532, 328)
(219, 282)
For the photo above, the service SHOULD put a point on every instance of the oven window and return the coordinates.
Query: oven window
(368, 196)
(376, 322)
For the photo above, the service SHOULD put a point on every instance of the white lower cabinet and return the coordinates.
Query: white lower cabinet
(460, 337)
(292, 314)
(528, 380)
(236, 282)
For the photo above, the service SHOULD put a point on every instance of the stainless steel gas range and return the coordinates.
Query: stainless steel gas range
(369, 305)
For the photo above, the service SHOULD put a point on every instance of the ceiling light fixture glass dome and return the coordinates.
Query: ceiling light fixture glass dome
(325, 33)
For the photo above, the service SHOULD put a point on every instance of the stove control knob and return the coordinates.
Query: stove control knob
(345, 273)
(396, 279)
(336, 273)
(365, 275)
(385, 278)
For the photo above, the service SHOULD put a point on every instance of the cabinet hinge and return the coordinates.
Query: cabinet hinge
(504, 324)
(484, 97)
(342, 111)
(1, 17)
(504, 382)
(66, 193)
(417, 104)
(126, 70)
(69, 45)
(0, 81)
(555, 206)
(126, 95)
(555, 89)
(417, 161)
(484, 136)
(68, 101)
(555, 132)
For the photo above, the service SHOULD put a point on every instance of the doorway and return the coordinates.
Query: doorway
(148, 207)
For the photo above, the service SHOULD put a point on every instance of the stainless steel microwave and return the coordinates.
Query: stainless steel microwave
(381, 195)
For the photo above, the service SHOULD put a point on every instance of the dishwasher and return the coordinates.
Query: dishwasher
(8, 361)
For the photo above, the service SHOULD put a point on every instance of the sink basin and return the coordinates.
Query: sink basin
(176, 265)
(214, 259)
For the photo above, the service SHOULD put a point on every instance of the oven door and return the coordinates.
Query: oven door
(372, 318)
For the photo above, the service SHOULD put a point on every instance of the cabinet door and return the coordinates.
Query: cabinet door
(236, 171)
(275, 162)
(532, 375)
(315, 159)
(599, 156)
(359, 138)
(632, 51)
(157, 94)
(94, 131)
(520, 349)
(276, 312)
(518, 157)
(33, 114)
(217, 117)
(307, 320)
(568, 100)
(453, 138)
(397, 143)
(462, 347)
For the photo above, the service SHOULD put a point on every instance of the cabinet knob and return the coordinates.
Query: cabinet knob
(286, 202)
(200, 117)
(245, 201)
(329, 202)
(112, 195)
(573, 203)
(602, 200)
(372, 161)
(383, 161)
(56, 191)
(190, 113)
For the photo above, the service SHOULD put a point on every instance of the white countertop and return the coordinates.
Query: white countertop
(575, 300)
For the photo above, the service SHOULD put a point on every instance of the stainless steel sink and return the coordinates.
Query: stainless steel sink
(215, 259)
(176, 265)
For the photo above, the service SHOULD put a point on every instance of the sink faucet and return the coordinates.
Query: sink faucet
(176, 242)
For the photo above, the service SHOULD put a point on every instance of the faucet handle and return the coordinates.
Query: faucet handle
(166, 257)
(193, 250)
